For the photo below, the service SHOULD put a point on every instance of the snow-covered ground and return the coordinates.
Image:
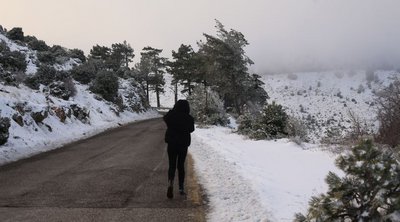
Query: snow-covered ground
(249, 180)
(323, 99)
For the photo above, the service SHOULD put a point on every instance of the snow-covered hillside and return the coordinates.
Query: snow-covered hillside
(40, 121)
(323, 99)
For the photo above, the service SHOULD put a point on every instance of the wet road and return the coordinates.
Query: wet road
(119, 175)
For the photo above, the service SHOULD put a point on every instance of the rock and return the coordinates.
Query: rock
(39, 116)
(60, 113)
(18, 119)
(4, 126)
(80, 113)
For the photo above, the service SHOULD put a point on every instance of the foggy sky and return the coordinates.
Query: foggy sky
(284, 35)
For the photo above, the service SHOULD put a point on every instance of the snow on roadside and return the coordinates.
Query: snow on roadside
(245, 178)
(35, 138)
(231, 196)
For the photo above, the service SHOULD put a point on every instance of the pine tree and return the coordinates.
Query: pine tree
(100, 53)
(369, 191)
(150, 71)
(226, 66)
(121, 55)
(183, 68)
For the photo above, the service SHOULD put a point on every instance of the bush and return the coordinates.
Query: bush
(77, 53)
(389, 114)
(13, 61)
(270, 123)
(106, 84)
(62, 89)
(16, 34)
(32, 82)
(207, 109)
(369, 191)
(84, 73)
(296, 130)
(4, 126)
(46, 74)
(46, 57)
(36, 44)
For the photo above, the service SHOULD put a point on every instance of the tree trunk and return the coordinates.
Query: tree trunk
(176, 92)
(147, 92)
(158, 97)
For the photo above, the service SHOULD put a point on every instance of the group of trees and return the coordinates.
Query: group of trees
(220, 65)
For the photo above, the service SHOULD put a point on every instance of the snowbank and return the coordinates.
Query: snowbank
(257, 180)
(34, 138)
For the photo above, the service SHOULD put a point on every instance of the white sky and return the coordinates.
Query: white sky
(281, 33)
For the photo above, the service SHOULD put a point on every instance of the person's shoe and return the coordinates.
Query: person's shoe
(182, 192)
(170, 192)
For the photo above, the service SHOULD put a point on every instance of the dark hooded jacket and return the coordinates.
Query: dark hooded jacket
(179, 124)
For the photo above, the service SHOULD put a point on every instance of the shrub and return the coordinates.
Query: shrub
(62, 89)
(105, 84)
(273, 121)
(84, 73)
(46, 74)
(207, 108)
(389, 114)
(46, 57)
(13, 61)
(32, 82)
(4, 126)
(296, 130)
(270, 123)
(369, 191)
(16, 34)
(36, 44)
(77, 53)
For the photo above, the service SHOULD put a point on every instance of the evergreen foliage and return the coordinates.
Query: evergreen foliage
(100, 53)
(369, 191)
(150, 71)
(85, 72)
(59, 83)
(389, 114)
(225, 65)
(270, 123)
(77, 53)
(12, 60)
(183, 68)
(46, 57)
(208, 110)
(16, 34)
(106, 85)
(36, 44)
(121, 55)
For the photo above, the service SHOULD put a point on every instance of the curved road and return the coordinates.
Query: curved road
(118, 175)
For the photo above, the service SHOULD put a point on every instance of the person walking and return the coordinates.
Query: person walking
(179, 126)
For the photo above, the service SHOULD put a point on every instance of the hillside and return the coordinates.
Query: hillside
(43, 118)
(322, 100)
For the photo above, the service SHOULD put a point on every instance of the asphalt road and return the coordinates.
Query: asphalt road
(119, 175)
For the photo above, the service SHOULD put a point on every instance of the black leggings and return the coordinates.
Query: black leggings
(177, 156)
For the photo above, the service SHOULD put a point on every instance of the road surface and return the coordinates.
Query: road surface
(119, 175)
